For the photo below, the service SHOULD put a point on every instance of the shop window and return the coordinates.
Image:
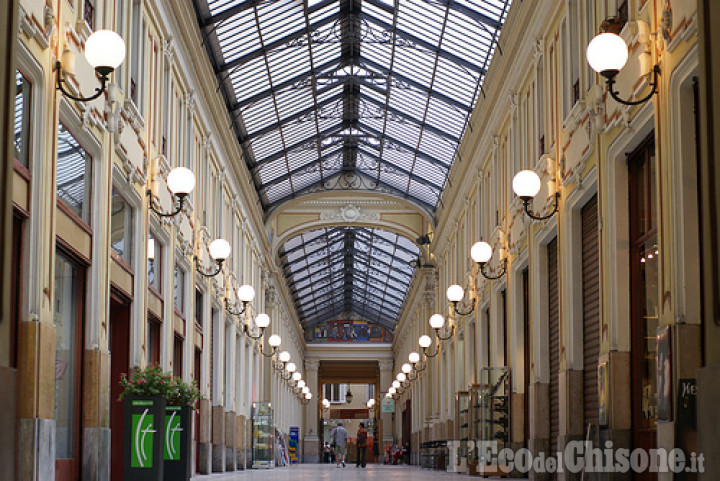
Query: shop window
(68, 317)
(73, 175)
(137, 53)
(179, 290)
(178, 356)
(153, 340)
(22, 120)
(198, 310)
(154, 263)
(335, 393)
(644, 289)
(121, 227)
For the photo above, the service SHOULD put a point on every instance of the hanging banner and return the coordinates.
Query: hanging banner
(388, 405)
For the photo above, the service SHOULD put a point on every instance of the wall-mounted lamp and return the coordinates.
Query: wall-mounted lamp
(290, 370)
(104, 51)
(308, 397)
(262, 321)
(181, 182)
(481, 252)
(403, 379)
(325, 404)
(455, 294)
(219, 250)
(396, 385)
(245, 295)
(274, 342)
(607, 54)
(299, 383)
(283, 359)
(526, 185)
(348, 397)
(414, 359)
(408, 370)
(424, 341)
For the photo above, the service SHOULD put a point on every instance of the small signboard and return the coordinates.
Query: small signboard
(349, 414)
(293, 443)
(388, 405)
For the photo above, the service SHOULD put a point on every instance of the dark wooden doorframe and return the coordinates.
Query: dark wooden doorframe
(70, 469)
(639, 165)
(119, 364)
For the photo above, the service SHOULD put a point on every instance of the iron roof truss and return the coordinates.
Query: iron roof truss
(370, 95)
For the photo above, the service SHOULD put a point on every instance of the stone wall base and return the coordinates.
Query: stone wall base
(204, 458)
(218, 459)
(311, 448)
(536, 447)
(36, 442)
(621, 438)
(96, 454)
(8, 420)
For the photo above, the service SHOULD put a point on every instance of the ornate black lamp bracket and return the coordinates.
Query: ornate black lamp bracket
(104, 72)
(533, 215)
(181, 201)
(610, 76)
(491, 277)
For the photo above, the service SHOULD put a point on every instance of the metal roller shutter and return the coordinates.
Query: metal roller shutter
(554, 336)
(591, 309)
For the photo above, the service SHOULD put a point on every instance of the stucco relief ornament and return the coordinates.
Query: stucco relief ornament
(351, 213)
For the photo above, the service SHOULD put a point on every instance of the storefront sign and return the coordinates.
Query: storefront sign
(349, 414)
(388, 405)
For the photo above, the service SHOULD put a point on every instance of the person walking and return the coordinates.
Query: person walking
(362, 435)
(339, 436)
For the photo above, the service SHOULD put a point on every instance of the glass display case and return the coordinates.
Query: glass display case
(491, 416)
(263, 436)
(462, 427)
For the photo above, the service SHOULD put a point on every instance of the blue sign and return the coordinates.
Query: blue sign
(293, 443)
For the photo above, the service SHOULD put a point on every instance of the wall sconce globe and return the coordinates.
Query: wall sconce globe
(607, 54)
(105, 50)
(526, 184)
(481, 252)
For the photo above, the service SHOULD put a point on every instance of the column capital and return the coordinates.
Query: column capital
(386, 365)
(311, 365)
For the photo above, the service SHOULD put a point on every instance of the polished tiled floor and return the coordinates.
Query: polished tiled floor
(318, 472)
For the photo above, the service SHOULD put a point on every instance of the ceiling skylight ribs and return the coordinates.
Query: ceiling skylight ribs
(347, 95)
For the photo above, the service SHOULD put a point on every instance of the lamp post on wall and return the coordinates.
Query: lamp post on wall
(526, 185)
(481, 252)
(104, 51)
(607, 54)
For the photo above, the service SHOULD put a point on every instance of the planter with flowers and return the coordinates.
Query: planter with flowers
(157, 417)
(181, 399)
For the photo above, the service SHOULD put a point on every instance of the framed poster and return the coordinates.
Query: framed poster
(663, 359)
(603, 392)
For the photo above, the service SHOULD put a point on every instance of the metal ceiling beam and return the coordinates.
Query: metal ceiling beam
(424, 125)
(281, 86)
(412, 175)
(366, 232)
(425, 44)
(277, 43)
(296, 145)
(400, 143)
(298, 170)
(469, 12)
(417, 85)
(309, 110)
(385, 187)
(328, 233)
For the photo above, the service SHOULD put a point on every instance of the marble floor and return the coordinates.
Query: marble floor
(322, 472)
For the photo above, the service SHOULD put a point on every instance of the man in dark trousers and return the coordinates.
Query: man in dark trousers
(362, 435)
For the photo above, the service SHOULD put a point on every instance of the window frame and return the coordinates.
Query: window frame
(126, 258)
(84, 218)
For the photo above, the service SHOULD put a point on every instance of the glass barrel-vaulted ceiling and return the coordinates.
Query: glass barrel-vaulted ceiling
(349, 270)
(350, 94)
(370, 95)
